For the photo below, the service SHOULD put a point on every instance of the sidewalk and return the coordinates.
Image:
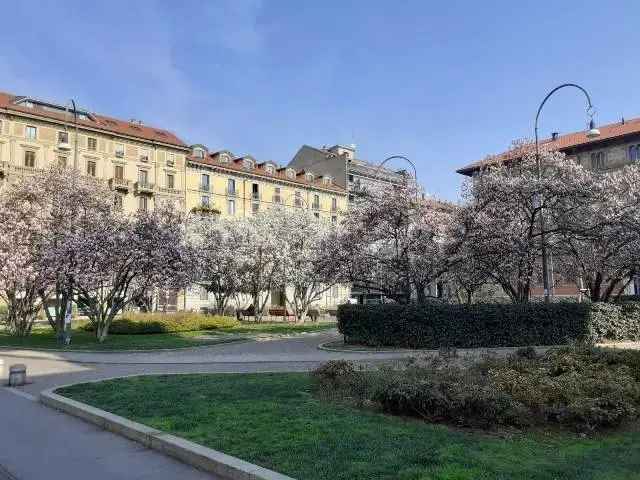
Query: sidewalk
(37, 442)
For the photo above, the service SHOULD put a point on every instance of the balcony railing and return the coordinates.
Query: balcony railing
(276, 199)
(172, 191)
(315, 206)
(231, 192)
(297, 202)
(119, 184)
(144, 187)
(205, 187)
(255, 196)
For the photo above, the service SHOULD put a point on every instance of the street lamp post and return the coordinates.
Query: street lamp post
(401, 157)
(593, 132)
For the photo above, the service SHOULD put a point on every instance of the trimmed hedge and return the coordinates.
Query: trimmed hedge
(435, 325)
(144, 323)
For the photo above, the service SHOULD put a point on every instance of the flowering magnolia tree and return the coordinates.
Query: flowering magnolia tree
(219, 265)
(305, 266)
(260, 249)
(394, 241)
(504, 203)
(127, 256)
(599, 240)
(21, 276)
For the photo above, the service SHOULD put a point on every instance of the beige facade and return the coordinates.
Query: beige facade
(141, 172)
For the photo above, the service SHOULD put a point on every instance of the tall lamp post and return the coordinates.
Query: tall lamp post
(401, 157)
(75, 121)
(593, 132)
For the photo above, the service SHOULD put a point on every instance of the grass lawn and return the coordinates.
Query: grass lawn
(43, 337)
(274, 421)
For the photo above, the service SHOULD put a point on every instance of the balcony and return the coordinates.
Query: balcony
(255, 197)
(231, 192)
(144, 187)
(276, 199)
(119, 184)
(170, 191)
(205, 187)
(297, 202)
(315, 206)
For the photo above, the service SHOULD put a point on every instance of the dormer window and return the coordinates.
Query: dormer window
(327, 180)
(198, 152)
(247, 163)
(309, 176)
(224, 158)
(291, 173)
(269, 169)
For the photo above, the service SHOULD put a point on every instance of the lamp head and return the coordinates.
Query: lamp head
(593, 132)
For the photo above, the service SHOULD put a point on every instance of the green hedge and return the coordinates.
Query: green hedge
(144, 323)
(436, 325)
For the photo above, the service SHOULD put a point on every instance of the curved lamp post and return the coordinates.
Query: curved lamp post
(401, 157)
(75, 121)
(592, 132)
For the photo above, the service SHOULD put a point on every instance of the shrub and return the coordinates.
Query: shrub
(585, 389)
(436, 325)
(144, 323)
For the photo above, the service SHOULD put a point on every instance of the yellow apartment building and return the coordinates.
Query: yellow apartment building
(142, 164)
(240, 186)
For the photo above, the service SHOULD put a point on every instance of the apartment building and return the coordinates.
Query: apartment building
(238, 186)
(143, 165)
(617, 145)
(352, 173)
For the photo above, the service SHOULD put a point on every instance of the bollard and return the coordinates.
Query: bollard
(17, 375)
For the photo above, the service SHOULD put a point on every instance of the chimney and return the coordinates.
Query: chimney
(554, 136)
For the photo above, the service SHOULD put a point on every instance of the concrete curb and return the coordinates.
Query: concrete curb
(203, 458)
(148, 350)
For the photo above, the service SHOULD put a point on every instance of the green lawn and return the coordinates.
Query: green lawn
(43, 337)
(274, 421)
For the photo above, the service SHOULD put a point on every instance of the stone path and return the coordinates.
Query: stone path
(37, 442)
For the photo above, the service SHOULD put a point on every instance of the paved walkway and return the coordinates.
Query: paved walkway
(37, 442)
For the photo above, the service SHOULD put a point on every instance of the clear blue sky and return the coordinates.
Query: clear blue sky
(444, 83)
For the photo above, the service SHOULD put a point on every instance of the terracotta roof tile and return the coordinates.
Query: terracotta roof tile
(100, 122)
(562, 143)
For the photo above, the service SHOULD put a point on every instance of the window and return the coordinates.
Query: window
(91, 168)
(276, 195)
(255, 191)
(309, 177)
(119, 150)
(171, 159)
(231, 186)
(334, 204)
(597, 160)
(247, 163)
(231, 207)
(291, 173)
(144, 156)
(30, 159)
(297, 199)
(316, 214)
(118, 201)
(31, 132)
(1, 124)
(143, 203)
(198, 153)
(119, 172)
(204, 294)
(92, 143)
(634, 153)
(204, 201)
(171, 182)
(62, 161)
(335, 291)
(63, 137)
(269, 169)
(143, 177)
(334, 219)
(316, 202)
(255, 207)
(351, 197)
(204, 182)
(351, 178)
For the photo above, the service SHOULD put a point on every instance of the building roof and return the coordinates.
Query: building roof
(259, 170)
(562, 143)
(20, 104)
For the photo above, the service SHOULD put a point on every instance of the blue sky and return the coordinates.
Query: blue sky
(444, 83)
